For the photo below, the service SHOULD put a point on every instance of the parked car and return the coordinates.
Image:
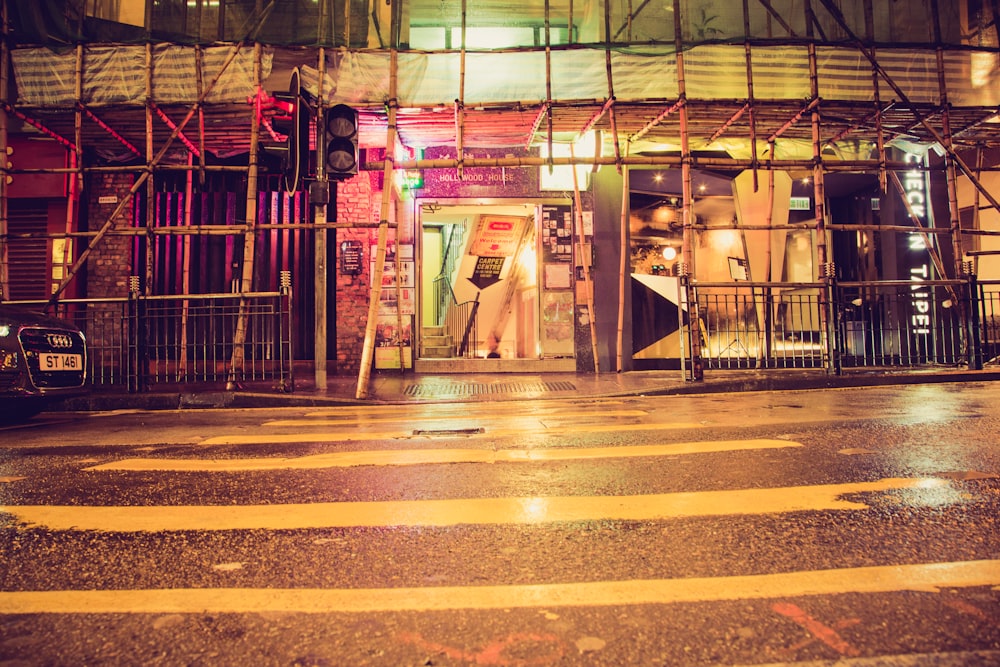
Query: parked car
(42, 359)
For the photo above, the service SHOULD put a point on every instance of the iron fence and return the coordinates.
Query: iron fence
(140, 342)
(847, 325)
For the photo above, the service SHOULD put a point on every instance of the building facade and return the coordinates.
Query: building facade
(538, 186)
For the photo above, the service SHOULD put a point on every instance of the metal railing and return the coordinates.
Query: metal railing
(847, 325)
(140, 342)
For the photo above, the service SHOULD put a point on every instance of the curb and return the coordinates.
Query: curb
(754, 382)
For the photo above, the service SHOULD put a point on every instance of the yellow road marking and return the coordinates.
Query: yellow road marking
(927, 577)
(323, 419)
(526, 510)
(352, 435)
(404, 457)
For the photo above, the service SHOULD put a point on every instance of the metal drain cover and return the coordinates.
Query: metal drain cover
(450, 431)
(486, 388)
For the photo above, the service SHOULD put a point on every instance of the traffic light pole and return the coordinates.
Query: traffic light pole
(319, 217)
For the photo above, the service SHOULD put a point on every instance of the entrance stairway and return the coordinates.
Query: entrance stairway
(435, 343)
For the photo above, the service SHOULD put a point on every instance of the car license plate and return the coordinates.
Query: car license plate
(48, 361)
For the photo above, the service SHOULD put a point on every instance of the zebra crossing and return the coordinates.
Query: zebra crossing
(345, 442)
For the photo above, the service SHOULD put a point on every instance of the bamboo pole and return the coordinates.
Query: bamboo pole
(250, 230)
(150, 185)
(548, 83)
(4, 161)
(321, 212)
(611, 86)
(199, 57)
(367, 351)
(74, 179)
(687, 242)
(182, 361)
(460, 105)
(825, 265)
(950, 170)
(623, 273)
(750, 96)
(585, 252)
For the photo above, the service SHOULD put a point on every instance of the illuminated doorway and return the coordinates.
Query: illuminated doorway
(487, 302)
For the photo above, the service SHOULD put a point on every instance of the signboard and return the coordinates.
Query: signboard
(351, 257)
(799, 204)
(497, 236)
(487, 271)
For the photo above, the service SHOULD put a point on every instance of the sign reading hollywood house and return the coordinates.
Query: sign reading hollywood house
(918, 259)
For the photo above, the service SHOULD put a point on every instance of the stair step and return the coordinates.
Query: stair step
(437, 341)
(433, 331)
(438, 351)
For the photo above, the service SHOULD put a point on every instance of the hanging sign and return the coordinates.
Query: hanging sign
(497, 236)
(487, 271)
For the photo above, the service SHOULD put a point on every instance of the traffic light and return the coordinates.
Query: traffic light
(340, 148)
(292, 121)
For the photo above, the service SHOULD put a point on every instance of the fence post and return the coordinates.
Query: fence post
(697, 373)
(135, 338)
(830, 312)
(286, 383)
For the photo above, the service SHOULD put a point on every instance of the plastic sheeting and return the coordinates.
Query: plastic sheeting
(117, 75)
(713, 72)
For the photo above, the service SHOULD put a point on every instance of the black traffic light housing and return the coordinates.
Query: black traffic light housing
(293, 122)
(340, 146)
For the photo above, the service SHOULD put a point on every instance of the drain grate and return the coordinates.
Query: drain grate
(485, 388)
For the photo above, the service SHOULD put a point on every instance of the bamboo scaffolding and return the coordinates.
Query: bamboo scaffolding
(151, 211)
(460, 106)
(180, 135)
(613, 118)
(584, 254)
(623, 273)
(321, 283)
(375, 298)
(4, 162)
(827, 272)
(74, 180)
(750, 95)
(250, 233)
(146, 173)
(687, 211)
(199, 57)
(104, 126)
(839, 18)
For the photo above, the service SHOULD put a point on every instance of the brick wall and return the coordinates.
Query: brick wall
(110, 262)
(359, 201)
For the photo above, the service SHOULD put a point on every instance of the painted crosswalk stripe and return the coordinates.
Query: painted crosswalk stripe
(925, 577)
(351, 435)
(327, 419)
(451, 512)
(406, 457)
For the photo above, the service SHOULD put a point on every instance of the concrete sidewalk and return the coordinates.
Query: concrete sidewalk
(398, 388)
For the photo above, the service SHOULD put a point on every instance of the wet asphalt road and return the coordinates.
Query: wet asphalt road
(798, 528)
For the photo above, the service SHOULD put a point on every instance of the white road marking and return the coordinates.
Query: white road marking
(405, 457)
(496, 511)
(925, 577)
